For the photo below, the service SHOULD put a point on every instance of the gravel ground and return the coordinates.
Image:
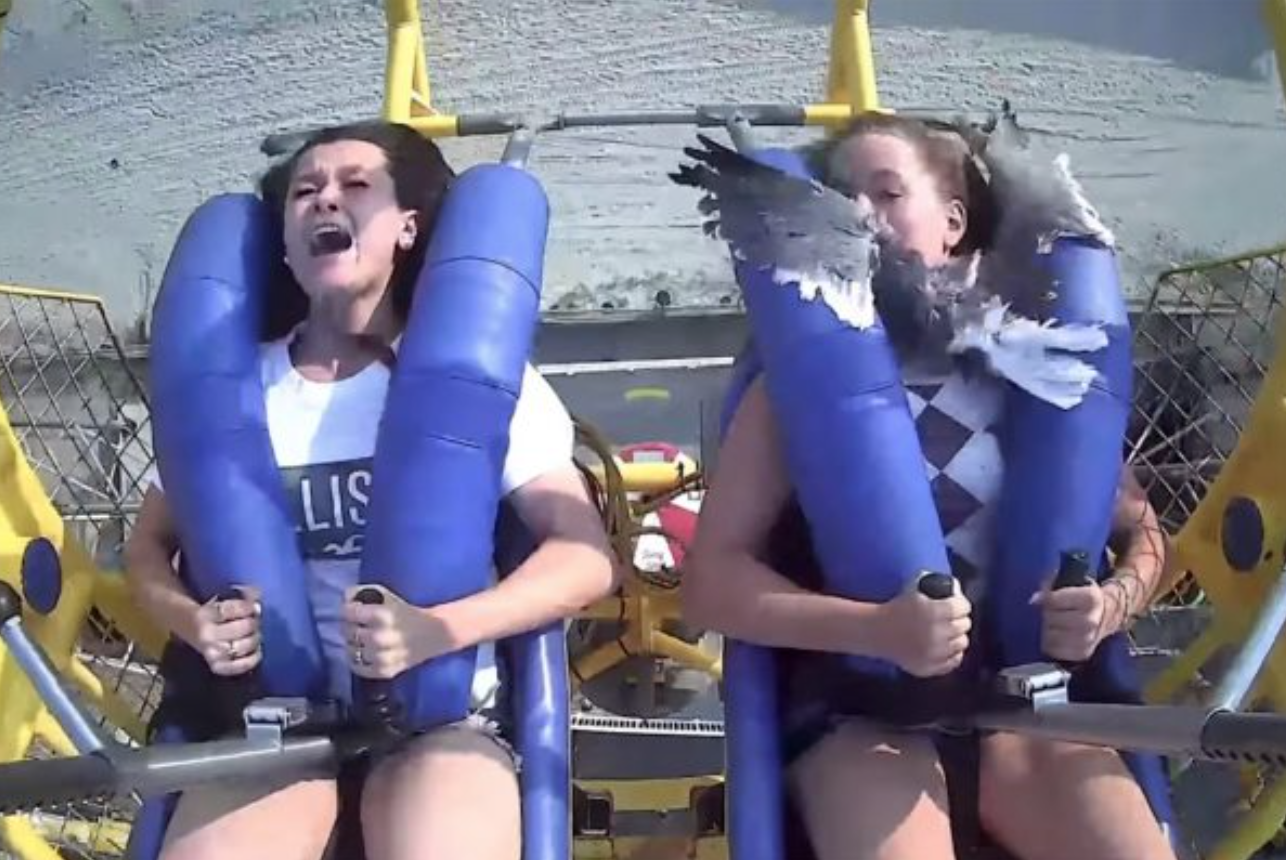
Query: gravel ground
(121, 115)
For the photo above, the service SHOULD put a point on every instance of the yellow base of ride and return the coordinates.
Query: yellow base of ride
(672, 796)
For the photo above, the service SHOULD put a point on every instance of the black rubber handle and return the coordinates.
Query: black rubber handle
(236, 692)
(1074, 570)
(10, 603)
(235, 592)
(370, 596)
(375, 697)
(929, 700)
(936, 586)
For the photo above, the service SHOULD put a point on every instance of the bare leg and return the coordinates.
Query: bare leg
(1045, 800)
(866, 794)
(245, 821)
(452, 793)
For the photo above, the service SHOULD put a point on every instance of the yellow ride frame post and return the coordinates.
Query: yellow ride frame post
(641, 612)
(408, 91)
(851, 87)
(1275, 18)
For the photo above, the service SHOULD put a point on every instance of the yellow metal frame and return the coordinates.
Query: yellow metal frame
(26, 513)
(651, 795)
(644, 606)
(850, 79)
(1274, 12)
(1256, 470)
(50, 293)
(1250, 472)
(408, 94)
(649, 478)
(25, 510)
(642, 610)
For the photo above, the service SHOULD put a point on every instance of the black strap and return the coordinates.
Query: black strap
(347, 840)
(961, 758)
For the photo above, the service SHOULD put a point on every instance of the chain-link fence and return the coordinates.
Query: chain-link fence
(1203, 341)
(80, 417)
(79, 411)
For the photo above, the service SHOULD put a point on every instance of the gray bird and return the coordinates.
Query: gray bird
(983, 311)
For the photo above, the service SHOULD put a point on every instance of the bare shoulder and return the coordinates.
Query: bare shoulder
(750, 486)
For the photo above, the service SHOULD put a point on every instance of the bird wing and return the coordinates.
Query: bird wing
(811, 235)
(834, 247)
(1040, 201)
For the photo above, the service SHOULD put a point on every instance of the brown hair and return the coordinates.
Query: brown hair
(421, 179)
(946, 151)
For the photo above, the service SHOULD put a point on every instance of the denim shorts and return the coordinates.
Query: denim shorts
(489, 722)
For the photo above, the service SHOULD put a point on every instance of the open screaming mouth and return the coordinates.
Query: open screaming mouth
(330, 239)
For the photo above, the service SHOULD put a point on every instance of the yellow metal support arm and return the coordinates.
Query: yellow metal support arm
(408, 93)
(851, 83)
(1275, 19)
(850, 80)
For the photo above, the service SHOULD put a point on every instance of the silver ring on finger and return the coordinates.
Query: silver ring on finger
(359, 657)
(230, 649)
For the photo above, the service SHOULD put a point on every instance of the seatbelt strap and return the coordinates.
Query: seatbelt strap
(961, 758)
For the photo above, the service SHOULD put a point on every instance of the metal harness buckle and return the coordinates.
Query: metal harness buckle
(1037, 684)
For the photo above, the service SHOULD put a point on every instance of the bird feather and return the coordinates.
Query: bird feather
(833, 247)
